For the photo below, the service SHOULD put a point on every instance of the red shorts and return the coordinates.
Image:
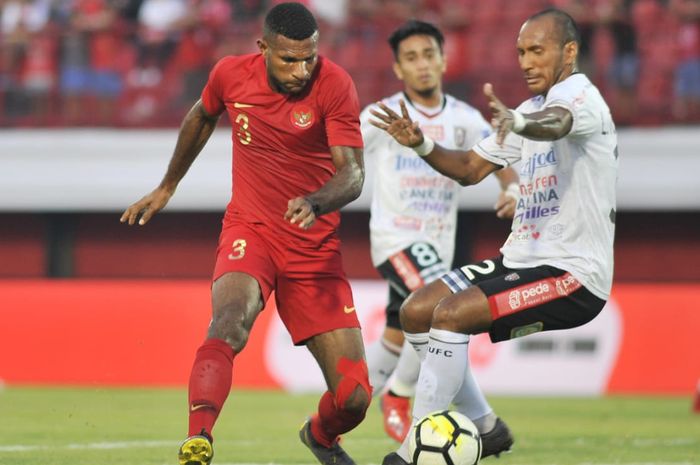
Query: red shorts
(312, 293)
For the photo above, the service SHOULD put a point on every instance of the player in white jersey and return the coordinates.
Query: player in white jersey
(414, 219)
(555, 271)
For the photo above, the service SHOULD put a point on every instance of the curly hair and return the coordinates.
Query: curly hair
(291, 20)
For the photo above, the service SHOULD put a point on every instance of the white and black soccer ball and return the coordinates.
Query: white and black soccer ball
(444, 438)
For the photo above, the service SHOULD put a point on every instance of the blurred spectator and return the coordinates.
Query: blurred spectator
(92, 50)
(334, 12)
(584, 13)
(623, 70)
(687, 76)
(160, 25)
(454, 15)
(141, 62)
(28, 57)
(203, 29)
(247, 11)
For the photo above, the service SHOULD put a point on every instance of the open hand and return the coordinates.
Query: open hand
(501, 117)
(402, 128)
(148, 206)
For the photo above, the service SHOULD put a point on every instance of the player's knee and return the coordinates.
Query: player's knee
(231, 326)
(353, 393)
(445, 315)
(357, 403)
(462, 315)
(416, 312)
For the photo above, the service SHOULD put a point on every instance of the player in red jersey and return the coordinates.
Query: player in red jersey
(297, 159)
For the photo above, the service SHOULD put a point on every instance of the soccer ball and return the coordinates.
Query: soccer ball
(444, 438)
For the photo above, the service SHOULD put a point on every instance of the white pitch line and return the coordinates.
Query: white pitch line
(150, 444)
(88, 446)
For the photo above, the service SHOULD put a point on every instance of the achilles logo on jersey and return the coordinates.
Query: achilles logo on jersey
(302, 116)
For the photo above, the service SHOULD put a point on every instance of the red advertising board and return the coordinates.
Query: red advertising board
(146, 332)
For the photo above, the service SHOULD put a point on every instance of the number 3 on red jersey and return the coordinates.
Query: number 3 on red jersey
(243, 133)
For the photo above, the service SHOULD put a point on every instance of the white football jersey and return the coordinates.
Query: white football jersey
(565, 216)
(411, 201)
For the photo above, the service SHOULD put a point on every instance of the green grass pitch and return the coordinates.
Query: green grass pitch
(105, 426)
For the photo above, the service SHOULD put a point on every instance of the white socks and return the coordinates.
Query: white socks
(406, 373)
(382, 357)
(470, 401)
(419, 341)
(441, 373)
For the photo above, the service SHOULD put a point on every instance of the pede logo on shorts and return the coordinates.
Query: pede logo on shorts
(534, 294)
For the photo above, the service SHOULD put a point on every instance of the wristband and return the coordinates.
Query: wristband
(425, 148)
(316, 208)
(518, 121)
(512, 191)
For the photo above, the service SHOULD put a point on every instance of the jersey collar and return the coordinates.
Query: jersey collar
(427, 115)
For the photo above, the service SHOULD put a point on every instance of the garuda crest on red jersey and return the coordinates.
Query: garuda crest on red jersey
(302, 116)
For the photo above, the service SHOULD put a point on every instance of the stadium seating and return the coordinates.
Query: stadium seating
(479, 49)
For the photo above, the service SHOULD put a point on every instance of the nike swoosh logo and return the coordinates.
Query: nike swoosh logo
(347, 309)
(197, 407)
(243, 105)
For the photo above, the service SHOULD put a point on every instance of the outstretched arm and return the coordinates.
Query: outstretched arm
(552, 123)
(464, 167)
(196, 128)
(344, 187)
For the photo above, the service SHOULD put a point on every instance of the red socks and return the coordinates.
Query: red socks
(210, 383)
(330, 422)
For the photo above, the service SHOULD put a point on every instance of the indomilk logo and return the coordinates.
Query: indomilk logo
(412, 163)
(536, 161)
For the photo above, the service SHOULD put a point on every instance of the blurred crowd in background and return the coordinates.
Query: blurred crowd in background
(142, 63)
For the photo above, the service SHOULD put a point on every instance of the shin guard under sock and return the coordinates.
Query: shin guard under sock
(210, 383)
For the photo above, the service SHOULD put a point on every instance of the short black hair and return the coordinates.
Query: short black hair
(414, 27)
(564, 23)
(292, 20)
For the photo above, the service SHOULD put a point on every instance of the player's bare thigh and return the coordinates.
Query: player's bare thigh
(236, 303)
(417, 310)
(328, 348)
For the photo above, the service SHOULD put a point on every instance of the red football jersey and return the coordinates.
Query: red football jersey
(281, 141)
